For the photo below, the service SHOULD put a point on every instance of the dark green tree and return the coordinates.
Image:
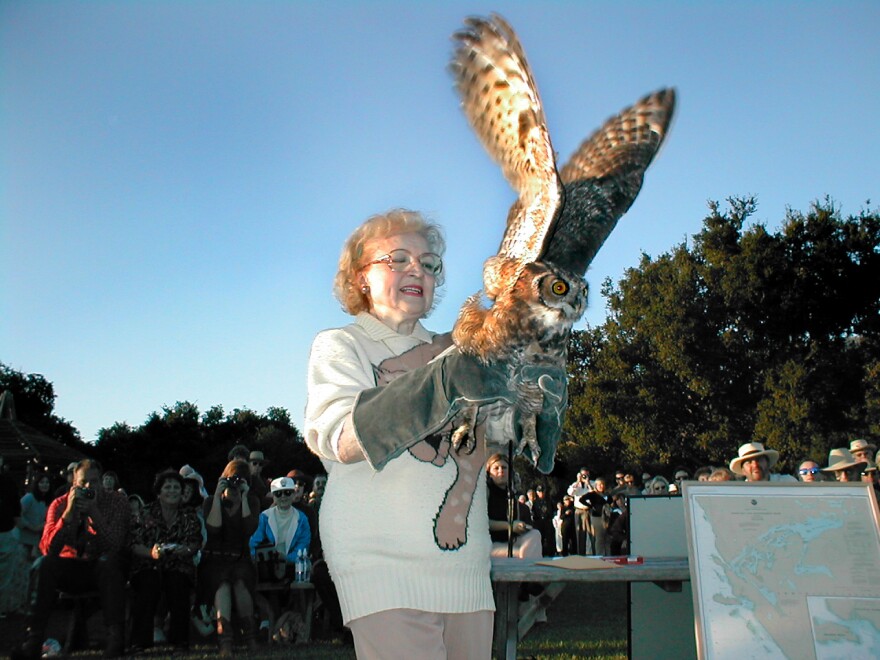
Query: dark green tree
(179, 435)
(34, 398)
(745, 334)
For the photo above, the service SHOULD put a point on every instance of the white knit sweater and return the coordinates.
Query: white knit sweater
(377, 528)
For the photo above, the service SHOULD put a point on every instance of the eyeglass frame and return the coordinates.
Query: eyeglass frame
(283, 493)
(806, 471)
(388, 260)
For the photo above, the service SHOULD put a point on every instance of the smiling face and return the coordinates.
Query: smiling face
(170, 493)
(756, 469)
(398, 299)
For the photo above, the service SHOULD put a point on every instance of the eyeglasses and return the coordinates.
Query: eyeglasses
(402, 260)
(808, 471)
(283, 493)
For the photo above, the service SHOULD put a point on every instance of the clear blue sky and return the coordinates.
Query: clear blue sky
(177, 178)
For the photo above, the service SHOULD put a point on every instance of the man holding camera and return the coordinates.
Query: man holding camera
(584, 533)
(85, 533)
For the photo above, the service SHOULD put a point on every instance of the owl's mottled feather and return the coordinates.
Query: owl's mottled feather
(500, 99)
(603, 178)
(559, 220)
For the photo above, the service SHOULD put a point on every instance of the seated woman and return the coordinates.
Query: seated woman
(226, 569)
(163, 544)
(527, 541)
(34, 506)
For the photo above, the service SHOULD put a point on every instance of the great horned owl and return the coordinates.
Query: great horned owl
(557, 224)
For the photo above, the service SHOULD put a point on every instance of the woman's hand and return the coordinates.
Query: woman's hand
(222, 484)
(519, 527)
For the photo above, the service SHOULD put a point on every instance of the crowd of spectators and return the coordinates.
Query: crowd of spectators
(191, 559)
(168, 565)
(590, 517)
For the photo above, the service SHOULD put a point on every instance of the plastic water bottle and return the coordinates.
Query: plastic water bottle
(299, 566)
(307, 566)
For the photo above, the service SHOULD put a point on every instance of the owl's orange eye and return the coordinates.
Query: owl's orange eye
(559, 287)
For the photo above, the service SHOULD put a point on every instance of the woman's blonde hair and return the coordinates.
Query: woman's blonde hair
(346, 284)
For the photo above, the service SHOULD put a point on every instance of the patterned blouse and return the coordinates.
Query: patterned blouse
(184, 530)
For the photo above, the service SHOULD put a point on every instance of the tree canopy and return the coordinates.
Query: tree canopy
(743, 335)
(180, 435)
(35, 406)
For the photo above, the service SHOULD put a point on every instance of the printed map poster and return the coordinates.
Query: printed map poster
(784, 570)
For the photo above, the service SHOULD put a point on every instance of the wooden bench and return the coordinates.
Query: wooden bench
(306, 591)
(507, 575)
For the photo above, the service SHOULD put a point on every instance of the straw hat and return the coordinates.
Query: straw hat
(859, 444)
(752, 450)
(257, 457)
(842, 459)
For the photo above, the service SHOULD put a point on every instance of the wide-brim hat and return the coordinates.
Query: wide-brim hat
(858, 445)
(842, 459)
(188, 472)
(752, 450)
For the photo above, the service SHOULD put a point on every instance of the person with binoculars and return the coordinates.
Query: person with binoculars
(226, 571)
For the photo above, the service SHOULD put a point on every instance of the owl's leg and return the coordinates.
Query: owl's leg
(529, 436)
(463, 437)
(530, 404)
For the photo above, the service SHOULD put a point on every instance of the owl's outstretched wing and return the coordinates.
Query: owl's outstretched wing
(501, 102)
(603, 178)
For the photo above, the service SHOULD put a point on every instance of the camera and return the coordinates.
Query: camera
(85, 493)
(235, 481)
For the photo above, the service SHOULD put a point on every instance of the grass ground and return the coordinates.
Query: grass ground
(585, 621)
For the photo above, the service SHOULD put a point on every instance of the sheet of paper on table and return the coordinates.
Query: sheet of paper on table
(577, 562)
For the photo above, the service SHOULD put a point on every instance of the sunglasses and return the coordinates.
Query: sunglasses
(402, 260)
(808, 471)
(283, 493)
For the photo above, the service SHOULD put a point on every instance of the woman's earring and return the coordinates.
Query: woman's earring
(365, 289)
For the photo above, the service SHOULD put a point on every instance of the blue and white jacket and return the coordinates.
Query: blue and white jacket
(267, 532)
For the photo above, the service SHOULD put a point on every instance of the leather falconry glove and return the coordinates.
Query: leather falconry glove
(391, 418)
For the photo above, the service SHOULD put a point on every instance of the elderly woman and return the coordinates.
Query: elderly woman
(226, 570)
(527, 540)
(163, 544)
(416, 578)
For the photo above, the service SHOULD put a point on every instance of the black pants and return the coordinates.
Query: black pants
(53, 574)
(149, 586)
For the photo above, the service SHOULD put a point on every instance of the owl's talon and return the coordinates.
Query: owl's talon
(463, 439)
